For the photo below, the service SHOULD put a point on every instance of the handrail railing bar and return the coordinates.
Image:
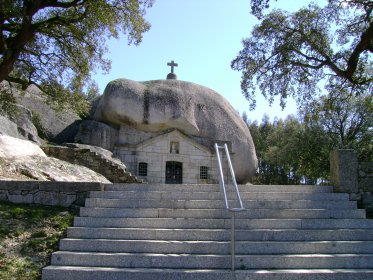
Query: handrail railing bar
(233, 176)
(221, 177)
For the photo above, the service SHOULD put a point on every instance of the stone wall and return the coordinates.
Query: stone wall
(366, 185)
(353, 177)
(64, 194)
(366, 176)
(115, 172)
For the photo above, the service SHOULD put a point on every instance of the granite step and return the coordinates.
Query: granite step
(222, 213)
(216, 204)
(216, 188)
(108, 273)
(193, 223)
(216, 247)
(221, 234)
(217, 195)
(213, 261)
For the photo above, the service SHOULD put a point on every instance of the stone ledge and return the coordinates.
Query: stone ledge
(48, 193)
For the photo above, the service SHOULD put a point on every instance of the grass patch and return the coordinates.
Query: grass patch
(20, 269)
(28, 236)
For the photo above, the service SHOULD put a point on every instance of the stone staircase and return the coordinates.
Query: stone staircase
(182, 232)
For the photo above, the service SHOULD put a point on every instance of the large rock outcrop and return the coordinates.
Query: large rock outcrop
(197, 111)
(58, 126)
(22, 159)
(20, 125)
(55, 126)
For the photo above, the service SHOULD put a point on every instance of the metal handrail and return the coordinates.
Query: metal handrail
(224, 190)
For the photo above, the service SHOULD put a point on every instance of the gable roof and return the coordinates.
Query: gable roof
(177, 133)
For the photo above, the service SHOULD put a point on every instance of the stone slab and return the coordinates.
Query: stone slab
(222, 234)
(193, 223)
(99, 273)
(216, 247)
(213, 261)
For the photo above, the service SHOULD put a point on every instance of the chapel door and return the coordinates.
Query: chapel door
(174, 172)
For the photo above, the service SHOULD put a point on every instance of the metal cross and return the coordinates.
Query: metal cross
(172, 64)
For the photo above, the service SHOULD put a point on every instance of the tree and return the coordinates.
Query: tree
(290, 151)
(346, 119)
(294, 54)
(56, 44)
(276, 151)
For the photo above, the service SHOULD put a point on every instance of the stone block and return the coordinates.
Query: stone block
(19, 185)
(54, 198)
(344, 171)
(19, 198)
(15, 192)
(355, 196)
(3, 196)
(366, 184)
(80, 198)
(367, 198)
(70, 187)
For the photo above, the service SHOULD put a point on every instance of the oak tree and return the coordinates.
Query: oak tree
(56, 44)
(295, 54)
(346, 119)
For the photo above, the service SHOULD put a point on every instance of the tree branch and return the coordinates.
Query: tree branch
(365, 44)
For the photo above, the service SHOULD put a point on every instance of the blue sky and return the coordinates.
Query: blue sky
(203, 37)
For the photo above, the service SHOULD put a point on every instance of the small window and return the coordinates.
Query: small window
(174, 147)
(203, 172)
(143, 169)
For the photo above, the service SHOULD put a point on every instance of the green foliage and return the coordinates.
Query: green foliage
(7, 102)
(290, 152)
(56, 45)
(36, 120)
(4, 230)
(346, 119)
(297, 151)
(294, 54)
(46, 244)
(17, 212)
(44, 225)
(19, 268)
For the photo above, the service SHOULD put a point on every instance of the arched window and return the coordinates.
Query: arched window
(143, 169)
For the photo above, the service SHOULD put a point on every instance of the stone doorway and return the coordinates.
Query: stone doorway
(174, 172)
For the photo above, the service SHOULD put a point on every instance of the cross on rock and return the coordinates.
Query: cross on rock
(172, 64)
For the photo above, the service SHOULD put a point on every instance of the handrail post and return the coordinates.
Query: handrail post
(237, 191)
(233, 241)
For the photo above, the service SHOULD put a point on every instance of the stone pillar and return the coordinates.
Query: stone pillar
(344, 171)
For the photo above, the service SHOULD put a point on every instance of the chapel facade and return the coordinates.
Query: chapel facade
(171, 157)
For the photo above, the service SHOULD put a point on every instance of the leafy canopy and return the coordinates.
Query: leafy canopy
(56, 44)
(294, 54)
(297, 150)
(346, 119)
(290, 152)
